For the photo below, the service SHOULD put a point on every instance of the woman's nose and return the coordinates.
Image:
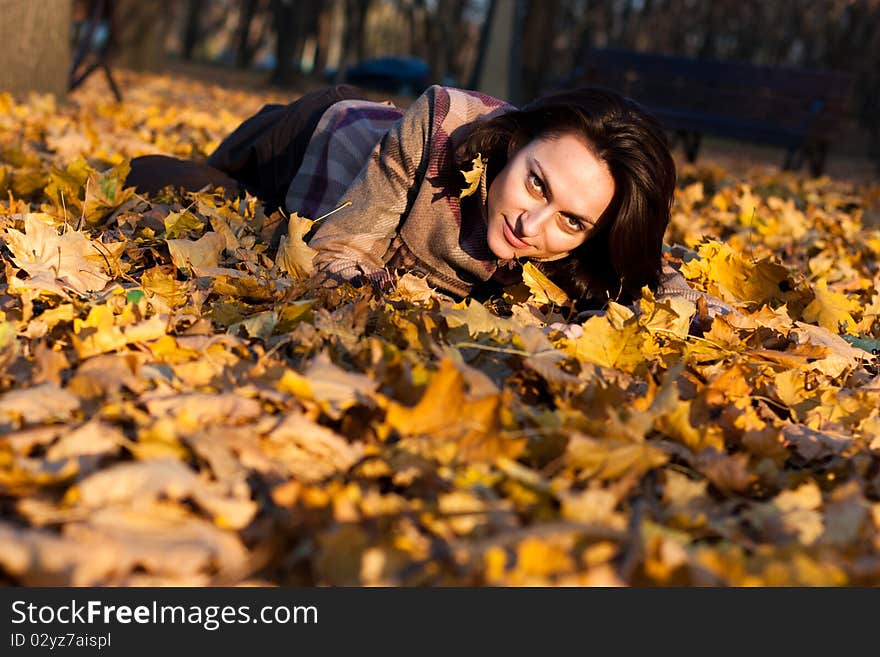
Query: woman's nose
(532, 220)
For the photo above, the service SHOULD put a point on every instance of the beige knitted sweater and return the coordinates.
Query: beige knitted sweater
(406, 212)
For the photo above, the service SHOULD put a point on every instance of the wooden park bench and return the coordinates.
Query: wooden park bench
(798, 109)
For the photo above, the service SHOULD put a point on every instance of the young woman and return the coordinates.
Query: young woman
(460, 187)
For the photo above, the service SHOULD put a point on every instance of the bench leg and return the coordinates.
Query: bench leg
(690, 141)
(111, 81)
(79, 79)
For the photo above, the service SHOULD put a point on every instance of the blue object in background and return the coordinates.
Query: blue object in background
(403, 75)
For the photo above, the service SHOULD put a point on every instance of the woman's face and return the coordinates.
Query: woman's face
(547, 199)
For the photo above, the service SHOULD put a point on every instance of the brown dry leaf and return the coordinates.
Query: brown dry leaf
(812, 444)
(846, 516)
(203, 252)
(339, 556)
(199, 409)
(727, 473)
(43, 403)
(308, 451)
(21, 442)
(477, 319)
(800, 512)
(20, 476)
(611, 459)
(165, 541)
(94, 438)
(414, 289)
(49, 364)
(595, 506)
(141, 483)
(350, 437)
(108, 374)
(334, 388)
(841, 356)
(41, 558)
(69, 258)
(294, 255)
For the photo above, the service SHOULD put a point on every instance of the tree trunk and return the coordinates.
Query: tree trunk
(192, 27)
(36, 46)
(285, 15)
(308, 12)
(139, 32)
(244, 51)
(537, 34)
(325, 20)
(493, 69)
(353, 37)
(445, 26)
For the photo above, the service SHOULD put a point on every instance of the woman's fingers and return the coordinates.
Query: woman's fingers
(571, 331)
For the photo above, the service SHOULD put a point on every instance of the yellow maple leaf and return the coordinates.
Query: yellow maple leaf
(101, 331)
(470, 432)
(473, 177)
(79, 192)
(294, 255)
(677, 425)
(163, 290)
(604, 344)
(610, 459)
(670, 315)
(748, 205)
(203, 252)
(732, 277)
(831, 310)
(431, 414)
(178, 223)
(542, 288)
(477, 318)
(65, 258)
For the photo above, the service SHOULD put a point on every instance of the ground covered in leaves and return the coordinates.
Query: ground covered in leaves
(178, 407)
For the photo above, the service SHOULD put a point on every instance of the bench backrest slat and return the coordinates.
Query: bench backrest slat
(836, 86)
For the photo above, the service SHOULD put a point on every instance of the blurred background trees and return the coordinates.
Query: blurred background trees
(297, 42)
(310, 36)
(544, 42)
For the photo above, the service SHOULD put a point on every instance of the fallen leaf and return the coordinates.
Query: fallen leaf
(203, 252)
(542, 288)
(294, 255)
(69, 258)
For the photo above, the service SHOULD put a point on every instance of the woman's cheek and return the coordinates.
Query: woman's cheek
(559, 241)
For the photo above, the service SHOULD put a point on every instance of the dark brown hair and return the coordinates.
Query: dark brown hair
(623, 252)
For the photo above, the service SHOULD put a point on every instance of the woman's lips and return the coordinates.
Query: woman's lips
(512, 239)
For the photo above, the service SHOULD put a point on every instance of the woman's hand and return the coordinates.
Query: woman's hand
(570, 331)
(381, 280)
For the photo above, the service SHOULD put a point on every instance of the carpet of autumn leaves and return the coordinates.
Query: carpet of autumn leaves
(179, 406)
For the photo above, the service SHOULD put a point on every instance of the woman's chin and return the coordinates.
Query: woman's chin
(500, 248)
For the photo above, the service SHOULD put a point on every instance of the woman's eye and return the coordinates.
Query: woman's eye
(574, 224)
(536, 183)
